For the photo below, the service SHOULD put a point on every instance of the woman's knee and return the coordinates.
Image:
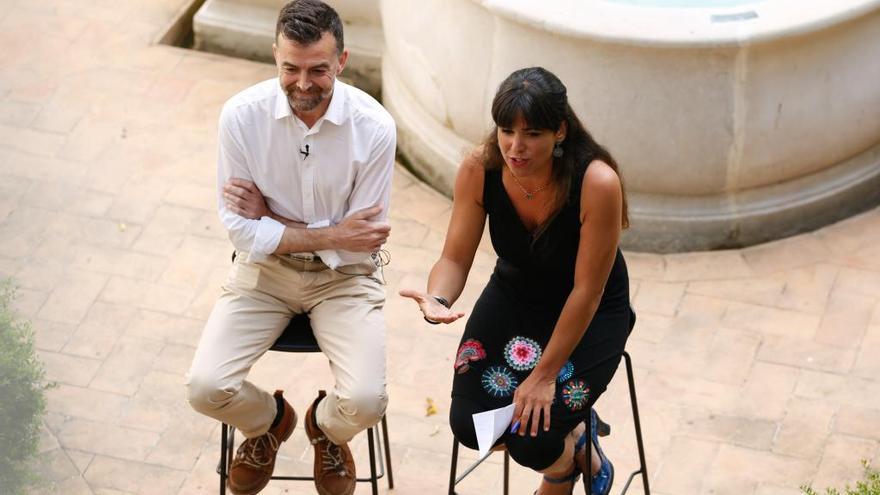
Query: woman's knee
(537, 453)
(462, 425)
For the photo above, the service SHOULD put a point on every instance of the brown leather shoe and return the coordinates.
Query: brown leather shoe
(334, 465)
(255, 458)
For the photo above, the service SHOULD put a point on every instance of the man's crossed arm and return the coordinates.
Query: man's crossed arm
(354, 233)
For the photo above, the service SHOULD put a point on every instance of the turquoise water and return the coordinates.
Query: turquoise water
(687, 3)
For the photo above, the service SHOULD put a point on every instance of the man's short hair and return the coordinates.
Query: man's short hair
(305, 21)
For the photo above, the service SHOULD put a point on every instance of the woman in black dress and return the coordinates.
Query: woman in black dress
(549, 329)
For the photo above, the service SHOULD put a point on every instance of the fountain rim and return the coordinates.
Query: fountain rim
(680, 27)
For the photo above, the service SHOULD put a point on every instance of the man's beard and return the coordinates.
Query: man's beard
(305, 101)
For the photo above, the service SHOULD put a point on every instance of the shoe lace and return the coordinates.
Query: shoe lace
(257, 452)
(334, 459)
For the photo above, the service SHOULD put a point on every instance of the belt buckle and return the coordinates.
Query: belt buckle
(303, 256)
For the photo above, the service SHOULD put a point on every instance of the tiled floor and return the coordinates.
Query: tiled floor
(757, 369)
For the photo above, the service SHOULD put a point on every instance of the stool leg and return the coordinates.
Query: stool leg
(588, 476)
(637, 422)
(506, 472)
(387, 453)
(372, 449)
(222, 467)
(454, 467)
(230, 448)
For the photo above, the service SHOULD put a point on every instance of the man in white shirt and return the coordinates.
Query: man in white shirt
(304, 179)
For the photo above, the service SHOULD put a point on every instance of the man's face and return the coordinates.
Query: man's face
(307, 72)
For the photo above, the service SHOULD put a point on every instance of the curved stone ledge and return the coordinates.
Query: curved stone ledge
(612, 21)
(432, 151)
(666, 224)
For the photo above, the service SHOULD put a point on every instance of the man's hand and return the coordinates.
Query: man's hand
(356, 233)
(244, 199)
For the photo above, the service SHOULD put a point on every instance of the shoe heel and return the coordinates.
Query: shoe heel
(603, 429)
(292, 427)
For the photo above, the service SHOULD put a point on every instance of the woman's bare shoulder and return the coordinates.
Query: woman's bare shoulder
(471, 173)
(601, 192)
(473, 161)
(600, 177)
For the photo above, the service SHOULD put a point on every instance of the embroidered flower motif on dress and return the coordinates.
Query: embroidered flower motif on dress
(566, 372)
(470, 350)
(575, 394)
(522, 353)
(499, 382)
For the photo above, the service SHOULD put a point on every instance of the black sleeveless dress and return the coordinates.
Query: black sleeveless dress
(514, 317)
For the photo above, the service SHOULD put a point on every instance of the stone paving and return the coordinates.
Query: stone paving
(757, 369)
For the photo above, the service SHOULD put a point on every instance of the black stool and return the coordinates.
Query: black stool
(298, 337)
(643, 469)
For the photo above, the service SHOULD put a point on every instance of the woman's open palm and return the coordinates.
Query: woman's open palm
(431, 308)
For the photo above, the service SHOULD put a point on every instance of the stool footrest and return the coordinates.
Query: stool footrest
(227, 440)
(472, 467)
(312, 478)
(629, 480)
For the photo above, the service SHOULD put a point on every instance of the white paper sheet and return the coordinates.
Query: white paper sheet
(490, 425)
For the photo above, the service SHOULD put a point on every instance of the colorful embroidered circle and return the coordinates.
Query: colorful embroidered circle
(470, 350)
(522, 353)
(499, 382)
(566, 372)
(575, 394)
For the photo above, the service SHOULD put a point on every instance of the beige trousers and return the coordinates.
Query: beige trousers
(255, 306)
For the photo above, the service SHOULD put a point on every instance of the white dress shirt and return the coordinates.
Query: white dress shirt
(348, 167)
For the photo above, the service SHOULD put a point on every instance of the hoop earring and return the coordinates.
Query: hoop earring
(557, 150)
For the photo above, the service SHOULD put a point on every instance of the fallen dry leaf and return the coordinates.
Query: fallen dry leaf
(430, 409)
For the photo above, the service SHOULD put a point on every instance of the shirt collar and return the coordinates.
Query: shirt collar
(282, 106)
(335, 111)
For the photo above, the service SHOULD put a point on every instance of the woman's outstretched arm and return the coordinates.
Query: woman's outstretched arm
(450, 272)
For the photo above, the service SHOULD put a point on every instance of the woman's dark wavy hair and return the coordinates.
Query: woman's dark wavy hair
(541, 99)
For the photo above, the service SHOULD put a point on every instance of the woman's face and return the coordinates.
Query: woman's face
(527, 150)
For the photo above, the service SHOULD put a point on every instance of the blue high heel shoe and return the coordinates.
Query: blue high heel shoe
(576, 472)
(602, 481)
